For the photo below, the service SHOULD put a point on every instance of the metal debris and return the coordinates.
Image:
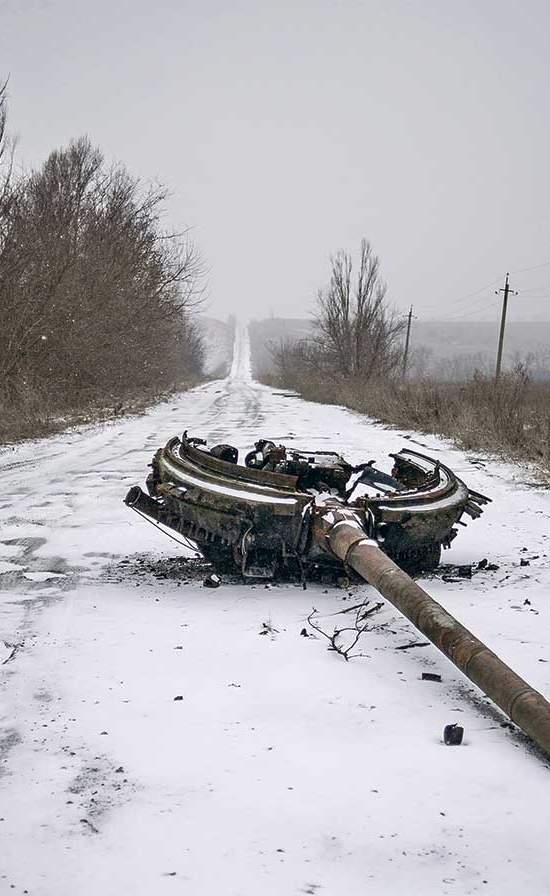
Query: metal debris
(265, 518)
(453, 734)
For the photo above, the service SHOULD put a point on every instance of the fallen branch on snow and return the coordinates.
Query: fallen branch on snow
(13, 650)
(363, 614)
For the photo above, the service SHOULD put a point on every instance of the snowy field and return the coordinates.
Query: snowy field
(283, 769)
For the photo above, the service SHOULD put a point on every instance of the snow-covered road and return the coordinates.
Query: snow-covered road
(283, 770)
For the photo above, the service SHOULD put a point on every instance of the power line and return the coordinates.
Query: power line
(464, 297)
(477, 292)
(460, 315)
(427, 308)
(538, 288)
(474, 304)
(535, 267)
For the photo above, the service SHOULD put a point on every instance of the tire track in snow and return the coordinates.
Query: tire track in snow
(281, 771)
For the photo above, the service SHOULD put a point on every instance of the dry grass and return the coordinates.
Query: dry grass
(511, 419)
(35, 416)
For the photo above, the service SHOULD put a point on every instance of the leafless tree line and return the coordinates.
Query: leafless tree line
(425, 364)
(356, 333)
(95, 299)
(354, 358)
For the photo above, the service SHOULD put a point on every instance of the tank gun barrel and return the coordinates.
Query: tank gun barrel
(342, 533)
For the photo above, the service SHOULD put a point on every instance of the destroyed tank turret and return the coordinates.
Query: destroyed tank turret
(259, 518)
(295, 511)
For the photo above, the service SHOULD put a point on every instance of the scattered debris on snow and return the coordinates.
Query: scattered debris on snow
(453, 734)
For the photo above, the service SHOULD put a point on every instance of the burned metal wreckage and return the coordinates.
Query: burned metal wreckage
(303, 511)
(263, 518)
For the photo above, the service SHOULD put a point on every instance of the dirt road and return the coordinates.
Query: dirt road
(283, 769)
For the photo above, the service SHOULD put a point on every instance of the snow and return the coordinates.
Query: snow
(283, 769)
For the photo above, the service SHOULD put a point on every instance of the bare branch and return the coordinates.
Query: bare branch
(360, 626)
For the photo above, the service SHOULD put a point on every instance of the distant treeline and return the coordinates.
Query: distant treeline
(96, 300)
(447, 351)
(351, 353)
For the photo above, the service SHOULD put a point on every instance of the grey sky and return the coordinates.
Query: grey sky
(285, 131)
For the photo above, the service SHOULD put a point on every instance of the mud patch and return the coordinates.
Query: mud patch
(26, 572)
(100, 554)
(145, 569)
(96, 789)
(43, 696)
(27, 545)
(9, 738)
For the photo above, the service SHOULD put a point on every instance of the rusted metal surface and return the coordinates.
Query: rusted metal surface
(259, 516)
(301, 511)
(345, 537)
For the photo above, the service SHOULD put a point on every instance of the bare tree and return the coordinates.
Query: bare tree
(7, 147)
(95, 297)
(293, 360)
(357, 333)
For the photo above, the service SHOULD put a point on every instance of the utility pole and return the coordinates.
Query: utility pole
(506, 290)
(407, 341)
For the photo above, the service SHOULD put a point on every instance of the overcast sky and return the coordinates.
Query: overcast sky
(288, 130)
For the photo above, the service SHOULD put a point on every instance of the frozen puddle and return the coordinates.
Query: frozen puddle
(43, 576)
